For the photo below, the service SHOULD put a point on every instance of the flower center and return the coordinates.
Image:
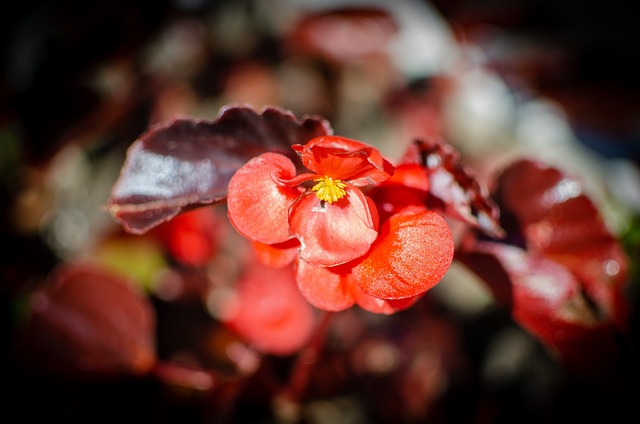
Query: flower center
(329, 189)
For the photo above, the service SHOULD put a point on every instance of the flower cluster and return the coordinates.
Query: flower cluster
(356, 226)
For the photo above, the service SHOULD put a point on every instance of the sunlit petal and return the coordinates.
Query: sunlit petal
(380, 306)
(410, 175)
(276, 255)
(412, 254)
(325, 288)
(345, 159)
(257, 204)
(332, 234)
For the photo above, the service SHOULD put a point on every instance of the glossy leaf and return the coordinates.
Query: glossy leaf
(547, 300)
(559, 220)
(559, 270)
(187, 163)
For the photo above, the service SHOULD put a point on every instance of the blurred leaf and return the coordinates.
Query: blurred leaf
(342, 34)
(139, 259)
(562, 274)
(87, 323)
(631, 242)
(10, 152)
(558, 220)
(547, 300)
(187, 163)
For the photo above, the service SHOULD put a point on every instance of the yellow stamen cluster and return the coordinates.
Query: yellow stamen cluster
(328, 189)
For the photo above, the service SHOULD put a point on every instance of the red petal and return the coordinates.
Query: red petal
(345, 159)
(332, 234)
(413, 176)
(391, 200)
(408, 187)
(192, 237)
(257, 205)
(276, 255)
(380, 306)
(325, 288)
(413, 252)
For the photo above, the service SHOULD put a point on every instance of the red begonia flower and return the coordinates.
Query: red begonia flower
(334, 221)
(381, 250)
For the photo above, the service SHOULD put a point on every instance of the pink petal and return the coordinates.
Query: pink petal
(332, 234)
(257, 205)
(412, 254)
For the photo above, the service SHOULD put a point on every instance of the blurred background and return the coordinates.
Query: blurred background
(80, 81)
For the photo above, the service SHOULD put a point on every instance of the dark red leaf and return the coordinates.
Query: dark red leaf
(547, 300)
(186, 163)
(85, 323)
(559, 220)
(559, 270)
(454, 189)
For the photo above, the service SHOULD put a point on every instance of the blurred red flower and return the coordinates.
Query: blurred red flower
(192, 237)
(270, 313)
(356, 227)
